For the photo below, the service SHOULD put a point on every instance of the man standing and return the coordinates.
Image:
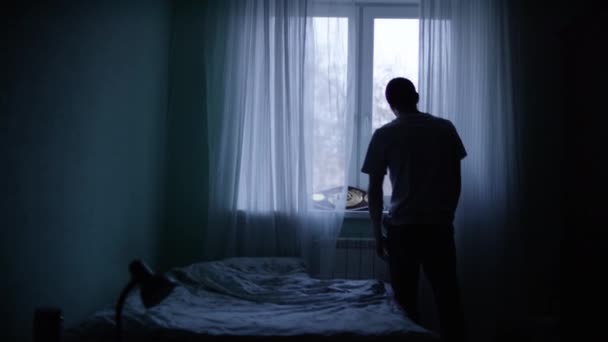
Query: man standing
(422, 154)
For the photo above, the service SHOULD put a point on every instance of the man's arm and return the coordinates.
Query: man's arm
(375, 197)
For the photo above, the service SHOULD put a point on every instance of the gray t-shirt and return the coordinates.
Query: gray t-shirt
(422, 153)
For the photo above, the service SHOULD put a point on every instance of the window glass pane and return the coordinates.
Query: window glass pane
(329, 53)
(395, 55)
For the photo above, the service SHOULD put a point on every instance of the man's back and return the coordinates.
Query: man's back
(422, 153)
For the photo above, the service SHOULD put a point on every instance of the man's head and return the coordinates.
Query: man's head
(401, 95)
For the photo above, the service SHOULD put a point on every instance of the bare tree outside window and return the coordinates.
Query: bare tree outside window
(395, 53)
(330, 70)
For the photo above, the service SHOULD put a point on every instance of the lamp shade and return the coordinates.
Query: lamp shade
(153, 288)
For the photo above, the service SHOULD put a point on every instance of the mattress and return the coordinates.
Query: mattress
(261, 299)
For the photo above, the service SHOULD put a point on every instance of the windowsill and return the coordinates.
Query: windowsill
(348, 214)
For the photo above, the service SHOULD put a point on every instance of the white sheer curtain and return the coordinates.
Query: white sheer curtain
(264, 72)
(465, 76)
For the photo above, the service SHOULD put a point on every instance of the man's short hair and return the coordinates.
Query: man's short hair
(401, 94)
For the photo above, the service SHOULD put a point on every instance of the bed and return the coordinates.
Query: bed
(258, 299)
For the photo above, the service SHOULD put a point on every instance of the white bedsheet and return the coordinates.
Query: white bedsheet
(261, 297)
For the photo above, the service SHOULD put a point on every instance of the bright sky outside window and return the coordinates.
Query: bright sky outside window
(395, 54)
(330, 69)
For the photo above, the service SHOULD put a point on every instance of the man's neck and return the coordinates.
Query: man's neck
(407, 113)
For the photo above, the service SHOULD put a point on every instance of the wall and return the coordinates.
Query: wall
(559, 74)
(555, 117)
(539, 83)
(82, 148)
(187, 142)
(586, 167)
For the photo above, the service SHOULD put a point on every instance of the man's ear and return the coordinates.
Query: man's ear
(417, 98)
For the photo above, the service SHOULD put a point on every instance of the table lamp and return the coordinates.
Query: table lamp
(153, 288)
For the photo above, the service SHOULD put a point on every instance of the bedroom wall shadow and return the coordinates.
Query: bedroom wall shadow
(82, 152)
(187, 152)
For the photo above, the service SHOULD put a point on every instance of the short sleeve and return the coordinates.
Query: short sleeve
(461, 152)
(375, 159)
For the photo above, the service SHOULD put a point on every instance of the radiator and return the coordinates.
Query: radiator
(354, 258)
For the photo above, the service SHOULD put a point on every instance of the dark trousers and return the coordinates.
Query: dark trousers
(432, 248)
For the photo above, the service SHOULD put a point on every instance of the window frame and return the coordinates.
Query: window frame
(361, 16)
(364, 107)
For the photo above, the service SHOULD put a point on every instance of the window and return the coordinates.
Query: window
(383, 45)
(330, 79)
